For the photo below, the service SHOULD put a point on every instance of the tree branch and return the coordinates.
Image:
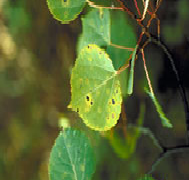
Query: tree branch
(167, 152)
(181, 87)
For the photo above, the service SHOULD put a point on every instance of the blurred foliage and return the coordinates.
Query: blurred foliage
(36, 56)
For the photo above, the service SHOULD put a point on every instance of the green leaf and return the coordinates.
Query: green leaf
(99, 26)
(13, 11)
(65, 10)
(96, 93)
(147, 177)
(96, 28)
(122, 33)
(71, 157)
(164, 120)
(131, 74)
(104, 3)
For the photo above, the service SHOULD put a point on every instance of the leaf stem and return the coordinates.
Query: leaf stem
(121, 47)
(146, 71)
(92, 4)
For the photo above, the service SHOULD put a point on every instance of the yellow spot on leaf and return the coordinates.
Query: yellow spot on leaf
(87, 81)
(108, 91)
(99, 110)
(82, 167)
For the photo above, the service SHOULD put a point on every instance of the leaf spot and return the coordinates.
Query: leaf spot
(113, 101)
(82, 167)
(87, 81)
(113, 115)
(87, 97)
(99, 110)
(91, 103)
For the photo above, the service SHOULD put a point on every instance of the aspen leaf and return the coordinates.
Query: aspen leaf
(72, 157)
(95, 88)
(65, 10)
(96, 28)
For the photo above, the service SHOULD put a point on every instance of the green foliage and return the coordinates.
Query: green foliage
(71, 157)
(122, 33)
(96, 93)
(100, 27)
(13, 11)
(65, 10)
(131, 74)
(36, 56)
(104, 49)
(147, 177)
(96, 28)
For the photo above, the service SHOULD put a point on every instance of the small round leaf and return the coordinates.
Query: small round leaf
(65, 10)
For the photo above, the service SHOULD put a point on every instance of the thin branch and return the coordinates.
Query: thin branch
(166, 153)
(146, 71)
(126, 9)
(138, 10)
(146, 3)
(149, 133)
(181, 87)
(121, 47)
(92, 4)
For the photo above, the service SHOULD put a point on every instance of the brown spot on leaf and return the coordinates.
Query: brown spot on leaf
(113, 115)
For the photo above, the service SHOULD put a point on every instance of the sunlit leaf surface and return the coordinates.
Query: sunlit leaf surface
(96, 93)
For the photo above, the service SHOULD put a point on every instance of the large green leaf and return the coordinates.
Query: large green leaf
(122, 33)
(96, 93)
(118, 57)
(71, 157)
(65, 10)
(99, 26)
(96, 28)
